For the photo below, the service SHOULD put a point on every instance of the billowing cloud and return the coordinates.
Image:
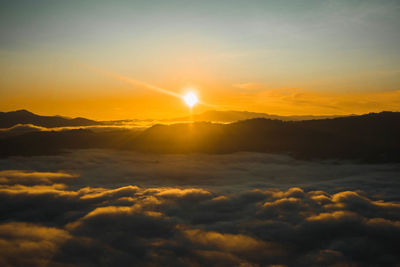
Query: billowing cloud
(10, 177)
(123, 208)
(25, 244)
(20, 129)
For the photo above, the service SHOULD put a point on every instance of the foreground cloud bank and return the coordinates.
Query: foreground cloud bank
(97, 215)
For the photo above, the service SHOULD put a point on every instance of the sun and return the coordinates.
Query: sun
(190, 99)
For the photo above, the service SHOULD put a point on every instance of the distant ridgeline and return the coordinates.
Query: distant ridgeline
(9, 119)
(372, 137)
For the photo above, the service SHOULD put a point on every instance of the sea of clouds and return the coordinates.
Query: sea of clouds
(102, 208)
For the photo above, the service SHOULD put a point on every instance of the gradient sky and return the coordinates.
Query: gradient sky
(282, 57)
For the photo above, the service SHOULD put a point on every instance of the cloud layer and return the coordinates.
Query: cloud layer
(100, 208)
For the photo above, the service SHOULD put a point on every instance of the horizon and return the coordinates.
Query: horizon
(199, 113)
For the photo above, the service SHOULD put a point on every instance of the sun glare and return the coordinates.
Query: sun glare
(190, 99)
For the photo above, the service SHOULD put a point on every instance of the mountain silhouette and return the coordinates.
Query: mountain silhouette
(233, 115)
(372, 137)
(9, 119)
(220, 117)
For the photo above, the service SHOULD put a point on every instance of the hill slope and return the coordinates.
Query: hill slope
(232, 116)
(371, 137)
(367, 136)
(9, 119)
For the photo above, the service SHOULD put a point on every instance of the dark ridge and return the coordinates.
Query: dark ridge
(9, 119)
(371, 137)
(234, 115)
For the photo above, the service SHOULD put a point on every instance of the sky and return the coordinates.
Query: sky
(280, 57)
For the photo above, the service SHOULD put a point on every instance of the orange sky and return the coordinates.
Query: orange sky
(153, 105)
(273, 57)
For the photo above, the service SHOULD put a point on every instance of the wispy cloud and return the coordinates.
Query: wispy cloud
(249, 86)
(294, 101)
